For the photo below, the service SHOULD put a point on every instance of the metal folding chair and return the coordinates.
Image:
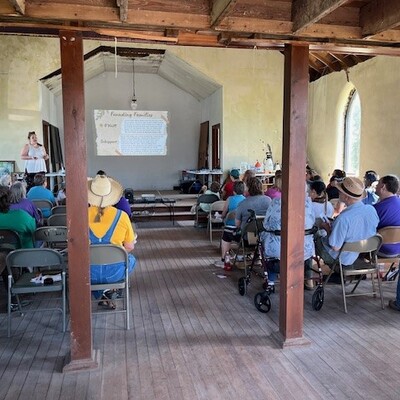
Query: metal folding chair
(35, 259)
(102, 255)
(57, 220)
(59, 210)
(217, 206)
(207, 199)
(390, 235)
(362, 266)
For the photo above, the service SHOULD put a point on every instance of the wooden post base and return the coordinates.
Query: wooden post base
(81, 365)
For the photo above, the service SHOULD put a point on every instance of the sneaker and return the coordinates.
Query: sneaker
(393, 305)
(219, 264)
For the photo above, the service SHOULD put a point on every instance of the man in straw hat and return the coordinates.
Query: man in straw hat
(357, 222)
(108, 225)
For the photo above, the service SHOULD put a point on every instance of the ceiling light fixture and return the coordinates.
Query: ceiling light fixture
(134, 103)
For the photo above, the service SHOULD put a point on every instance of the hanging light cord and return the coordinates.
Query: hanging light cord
(133, 80)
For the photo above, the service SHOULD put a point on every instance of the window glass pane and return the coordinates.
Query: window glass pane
(352, 135)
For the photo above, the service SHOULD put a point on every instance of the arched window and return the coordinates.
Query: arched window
(352, 131)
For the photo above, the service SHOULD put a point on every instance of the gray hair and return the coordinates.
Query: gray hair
(17, 192)
(5, 180)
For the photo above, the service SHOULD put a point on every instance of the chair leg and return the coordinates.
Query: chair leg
(380, 291)
(343, 289)
(9, 308)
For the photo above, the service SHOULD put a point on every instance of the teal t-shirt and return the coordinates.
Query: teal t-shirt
(19, 221)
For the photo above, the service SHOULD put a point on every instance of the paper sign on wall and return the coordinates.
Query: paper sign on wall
(131, 133)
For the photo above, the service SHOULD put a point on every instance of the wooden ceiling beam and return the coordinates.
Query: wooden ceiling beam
(379, 16)
(139, 18)
(341, 59)
(307, 12)
(324, 61)
(19, 6)
(123, 10)
(220, 10)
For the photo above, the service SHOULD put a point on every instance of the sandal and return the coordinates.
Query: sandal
(107, 302)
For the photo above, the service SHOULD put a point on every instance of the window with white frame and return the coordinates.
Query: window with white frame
(352, 133)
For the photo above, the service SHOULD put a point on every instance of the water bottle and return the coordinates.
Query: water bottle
(227, 262)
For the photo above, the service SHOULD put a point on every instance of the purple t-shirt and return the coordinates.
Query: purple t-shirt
(124, 205)
(29, 207)
(389, 215)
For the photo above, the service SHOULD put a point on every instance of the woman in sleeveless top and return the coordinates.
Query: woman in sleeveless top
(35, 157)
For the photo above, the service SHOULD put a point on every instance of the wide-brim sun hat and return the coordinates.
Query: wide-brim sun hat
(103, 191)
(352, 187)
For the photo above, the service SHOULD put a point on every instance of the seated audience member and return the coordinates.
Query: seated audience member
(227, 188)
(40, 192)
(231, 204)
(62, 194)
(322, 207)
(272, 242)
(256, 201)
(356, 222)
(123, 203)
(370, 179)
(5, 180)
(108, 225)
(275, 191)
(16, 220)
(214, 189)
(388, 209)
(18, 201)
(249, 173)
(331, 190)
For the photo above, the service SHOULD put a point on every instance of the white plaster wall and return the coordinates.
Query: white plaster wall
(23, 62)
(153, 93)
(378, 84)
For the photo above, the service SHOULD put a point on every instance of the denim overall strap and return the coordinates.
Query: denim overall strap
(107, 236)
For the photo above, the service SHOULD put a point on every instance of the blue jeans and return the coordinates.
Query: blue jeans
(398, 293)
(110, 273)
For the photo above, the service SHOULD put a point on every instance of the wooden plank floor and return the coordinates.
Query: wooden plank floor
(195, 337)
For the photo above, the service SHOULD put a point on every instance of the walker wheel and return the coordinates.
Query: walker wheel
(262, 302)
(242, 286)
(318, 298)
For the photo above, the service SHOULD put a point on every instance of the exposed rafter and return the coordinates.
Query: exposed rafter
(221, 9)
(379, 16)
(19, 6)
(123, 9)
(307, 12)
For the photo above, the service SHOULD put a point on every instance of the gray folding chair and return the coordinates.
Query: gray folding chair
(54, 237)
(207, 199)
(362, 266)
(57, 220)
(390, 235)
(217, 206)
(102, 255)
(48, 261)
(43, 205)
(59, 210)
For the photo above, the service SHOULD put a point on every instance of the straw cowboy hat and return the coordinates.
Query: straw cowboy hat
(103, 191)
(352, 187)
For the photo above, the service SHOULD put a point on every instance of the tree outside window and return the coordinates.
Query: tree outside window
(352, 133)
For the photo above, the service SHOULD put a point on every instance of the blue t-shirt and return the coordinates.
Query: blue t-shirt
(389, 215)
(234, 201)
(356, 222)
(41, 193)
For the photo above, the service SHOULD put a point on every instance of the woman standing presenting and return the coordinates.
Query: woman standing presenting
(35, 156)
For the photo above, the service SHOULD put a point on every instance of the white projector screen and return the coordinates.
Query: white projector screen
(131, 133)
